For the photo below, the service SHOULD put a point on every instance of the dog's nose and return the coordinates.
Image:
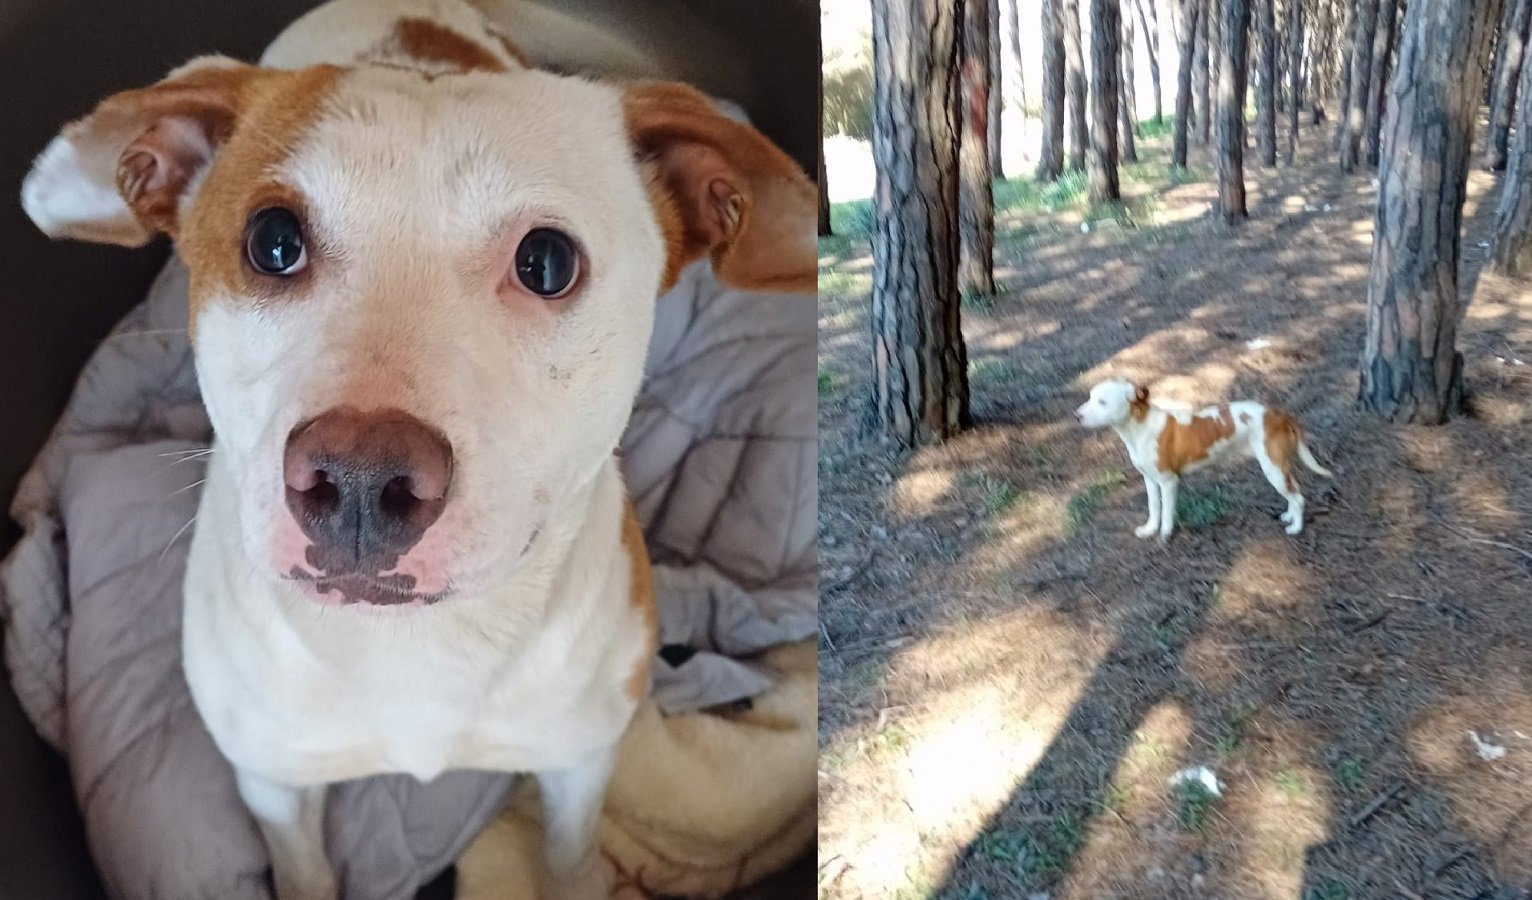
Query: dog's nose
(364, 487)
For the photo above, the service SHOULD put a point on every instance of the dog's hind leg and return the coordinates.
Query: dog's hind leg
(1168, 490)
(572, 801)
(1281, 478)
(291, 819)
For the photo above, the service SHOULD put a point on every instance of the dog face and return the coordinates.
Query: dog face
(420, 305)
(1112, 402)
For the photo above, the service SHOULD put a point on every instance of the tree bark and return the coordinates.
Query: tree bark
(1127, 106)
(1075, 89)
(1232, 69)
(996, 90)
(1513, 224)
(1321, 60)
(1021, 69)
(1151, 23)
(1106, 62)
(1185, 65)
(920, 364)
(1411, 370)
(1210, 28)
(1382, 49)
(824, 184)
(1504, 78)
(1294, 76)
(976, 200)
(1361, 85)
(1348, 53)
(1266, 91)
(1050, 163)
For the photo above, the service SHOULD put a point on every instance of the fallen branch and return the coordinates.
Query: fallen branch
(1378, 802)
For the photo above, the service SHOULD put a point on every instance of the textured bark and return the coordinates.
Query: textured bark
(920, 365)
(1348, 53)
(1266, 91)
(1321, 61)
(1232, 69)
(1150, 17)
(1127, 106)
(976, 195)
(996, 89)
(824, 184)
(1201, 84)
(1294, 76)
(1075, 88)
(1021, 69)
(1504, 79)
(1190, 22)
(1106, 63)
(1211, 23)
(1382, 48)
(1513, 225)
(1361, 85)
(1411, 370)
(1050, 163)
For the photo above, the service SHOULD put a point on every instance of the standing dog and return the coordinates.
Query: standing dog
(1166, 444)
(422, 287)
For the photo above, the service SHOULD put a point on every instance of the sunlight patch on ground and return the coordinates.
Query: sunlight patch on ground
(918, 493)
(1286, 813)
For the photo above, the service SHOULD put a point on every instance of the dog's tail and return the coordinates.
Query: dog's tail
(1310, 462)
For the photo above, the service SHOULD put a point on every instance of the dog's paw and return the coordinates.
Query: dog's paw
(1146, 529)
(1294, 527)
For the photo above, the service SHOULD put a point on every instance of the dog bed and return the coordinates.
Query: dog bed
(720, 459)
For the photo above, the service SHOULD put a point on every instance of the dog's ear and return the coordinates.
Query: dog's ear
(1140, 394)
(723, 190)
(118, 175)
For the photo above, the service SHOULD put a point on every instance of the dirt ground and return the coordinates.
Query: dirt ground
(1009, 678)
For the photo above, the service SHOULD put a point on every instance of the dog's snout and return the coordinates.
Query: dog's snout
(364, 486)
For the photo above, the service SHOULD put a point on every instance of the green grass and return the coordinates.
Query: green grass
(1089, 501)
(1348, 773)
(828, 383)
(1291, 782)
(832, 281)
(996, 495)
(1148, 128)
(1194, 806)
(1199, 510)
(1067, 190)
(1033, 855)
(1330, 890)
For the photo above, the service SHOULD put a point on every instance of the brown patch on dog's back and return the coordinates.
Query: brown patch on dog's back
(1138, 407)
(1283, 434)
(641, 593)
(434, 44)
(1184, 443)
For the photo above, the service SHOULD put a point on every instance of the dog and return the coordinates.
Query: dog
(422, 278)
(1166, 444)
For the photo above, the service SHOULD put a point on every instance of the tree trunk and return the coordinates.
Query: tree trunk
(1106, 62)
(1021, 69)
(1348, 53)
(1382, 48)
(920, 365)
(1050, 163)
(1504, 79)
(1201, 84)
(1127, 106)
(1513, 226)
(1212, 23)
(824, 184)
(1321, 58)
(1075, 89)
(1411, 370)
(1232, 69)
(976, 200)
(1185, 65)
(1151, 23)
(1361, 85)
(1266, 93)
(1294, 76)
(996, 89)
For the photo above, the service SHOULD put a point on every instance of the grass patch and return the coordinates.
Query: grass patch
(1068, 189)
(1291, 783)
(1330, 890)
(995, 495)
(1348, 773)
(1089, 501)
(828, 383)
(1199, 510)
(836, 282)
(1194, 806)
(1149, 128)
(1030, 855)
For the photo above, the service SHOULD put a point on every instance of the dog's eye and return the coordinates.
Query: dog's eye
(274, 242)
(547, 263)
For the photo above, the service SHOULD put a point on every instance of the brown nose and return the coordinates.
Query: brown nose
(364, 487)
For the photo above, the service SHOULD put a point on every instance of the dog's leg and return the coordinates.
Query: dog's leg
(1283, 483)
(1168, 490)
(291, 820)
(571, 808)
(1150, 527)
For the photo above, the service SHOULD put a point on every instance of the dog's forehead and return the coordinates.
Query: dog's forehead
(460, 153)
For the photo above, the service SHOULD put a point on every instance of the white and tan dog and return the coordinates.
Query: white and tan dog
(1166, 444)
(422, 287)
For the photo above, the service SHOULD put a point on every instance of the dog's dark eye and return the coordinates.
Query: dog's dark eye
(547, 263)
(274, 242)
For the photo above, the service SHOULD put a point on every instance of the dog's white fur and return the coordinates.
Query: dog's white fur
(1233, 430)
(416, 185)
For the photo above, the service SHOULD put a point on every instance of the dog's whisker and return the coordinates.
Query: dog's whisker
(176, 537)
(198, 483)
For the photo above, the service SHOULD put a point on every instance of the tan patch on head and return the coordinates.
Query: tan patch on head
(641, 593)
(1283, 434)
(1183, 443)
(1138, 407)
(274, 108)
(436, 45)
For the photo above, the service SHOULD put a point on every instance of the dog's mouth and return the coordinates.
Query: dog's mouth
(362, 588)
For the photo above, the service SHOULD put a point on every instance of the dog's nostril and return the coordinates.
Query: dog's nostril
(398, 497)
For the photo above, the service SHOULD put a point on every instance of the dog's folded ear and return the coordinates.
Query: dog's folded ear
(118, 175)
(1140, 394)
(723, 190)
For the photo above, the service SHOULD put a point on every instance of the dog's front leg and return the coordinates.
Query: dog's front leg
(1150, 527)
(1168, 490)
(291, 820)
(572, 801)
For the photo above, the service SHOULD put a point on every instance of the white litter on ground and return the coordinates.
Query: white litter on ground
(1258, 343)
(1484, 245)
(1327, 207)
(1486, 750)
(1085, 228)
(1200, 775)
